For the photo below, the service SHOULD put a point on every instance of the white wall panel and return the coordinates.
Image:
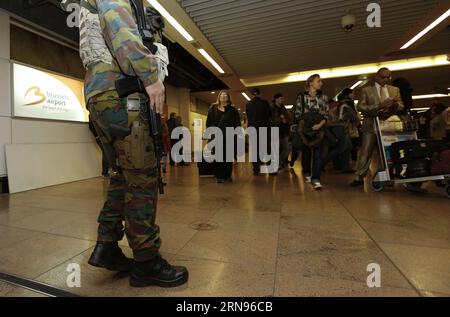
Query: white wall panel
(5, 138)
(32, 166)
(41, 131)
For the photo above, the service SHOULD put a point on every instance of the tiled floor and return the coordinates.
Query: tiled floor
(269, 236)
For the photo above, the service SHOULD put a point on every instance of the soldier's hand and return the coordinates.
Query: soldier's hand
(156, 92)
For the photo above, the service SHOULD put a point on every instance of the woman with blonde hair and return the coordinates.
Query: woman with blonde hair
(311, 113)
(223, 115)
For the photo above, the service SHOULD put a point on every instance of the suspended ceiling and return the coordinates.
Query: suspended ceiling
(260, 37)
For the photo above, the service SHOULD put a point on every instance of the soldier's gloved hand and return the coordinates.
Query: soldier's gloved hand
(156, 92)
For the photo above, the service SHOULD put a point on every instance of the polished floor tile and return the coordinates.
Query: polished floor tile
(211, 278)
(32, 257)
(250, 240)
(80, 226)
(433, 294)
(36, 199)
(45, 220)
(93, 281)
(11, 236)
(295, 284)
(8, 290)
(259, 236)
(5, 288)
(342, 259)
(17, 213)
(428, 269)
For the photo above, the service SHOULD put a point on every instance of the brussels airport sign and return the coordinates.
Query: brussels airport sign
(373, 19)
(43, 95)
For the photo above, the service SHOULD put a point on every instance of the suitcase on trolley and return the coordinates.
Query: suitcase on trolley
(407, 151)
(418, 168)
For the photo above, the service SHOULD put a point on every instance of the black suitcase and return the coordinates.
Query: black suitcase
(408, 151)
(418, 168)
(206, 169)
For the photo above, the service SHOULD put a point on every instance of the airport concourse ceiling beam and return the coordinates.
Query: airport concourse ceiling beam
(425, 29)
(199, 46)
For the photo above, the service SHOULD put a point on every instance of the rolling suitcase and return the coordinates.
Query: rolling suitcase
(408, 151)
(418, 168)
(206, 169)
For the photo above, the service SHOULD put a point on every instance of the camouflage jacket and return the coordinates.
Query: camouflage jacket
(129, 55)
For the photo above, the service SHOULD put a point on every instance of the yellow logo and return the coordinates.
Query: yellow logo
(37, 93)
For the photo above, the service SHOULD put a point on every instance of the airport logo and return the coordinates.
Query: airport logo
(49, 100)
(34, 93)
(42, 95)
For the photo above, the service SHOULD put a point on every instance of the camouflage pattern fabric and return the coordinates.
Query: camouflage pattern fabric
(121, 34)
(132, 194)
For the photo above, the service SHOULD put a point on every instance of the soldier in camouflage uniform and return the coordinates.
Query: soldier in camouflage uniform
(111, 48)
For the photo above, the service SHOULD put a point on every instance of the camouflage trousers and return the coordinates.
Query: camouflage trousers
(133, 192)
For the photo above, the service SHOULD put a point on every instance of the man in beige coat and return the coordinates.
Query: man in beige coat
(377, 98)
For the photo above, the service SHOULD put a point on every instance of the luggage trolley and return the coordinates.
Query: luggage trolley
(383, 178)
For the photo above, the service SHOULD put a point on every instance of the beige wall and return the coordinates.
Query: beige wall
(178, 101)
(5, 98)
(40, 152)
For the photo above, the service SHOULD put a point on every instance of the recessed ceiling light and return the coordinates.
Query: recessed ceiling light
(171, 20)
(430, 96)
(351, 70)
(211, 60)
(427, 29)
(246, 96)
(356, 84)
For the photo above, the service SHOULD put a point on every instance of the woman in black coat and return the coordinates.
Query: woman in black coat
(223, 115)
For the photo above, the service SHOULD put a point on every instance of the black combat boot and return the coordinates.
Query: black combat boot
(108, 255)
(158, 272)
